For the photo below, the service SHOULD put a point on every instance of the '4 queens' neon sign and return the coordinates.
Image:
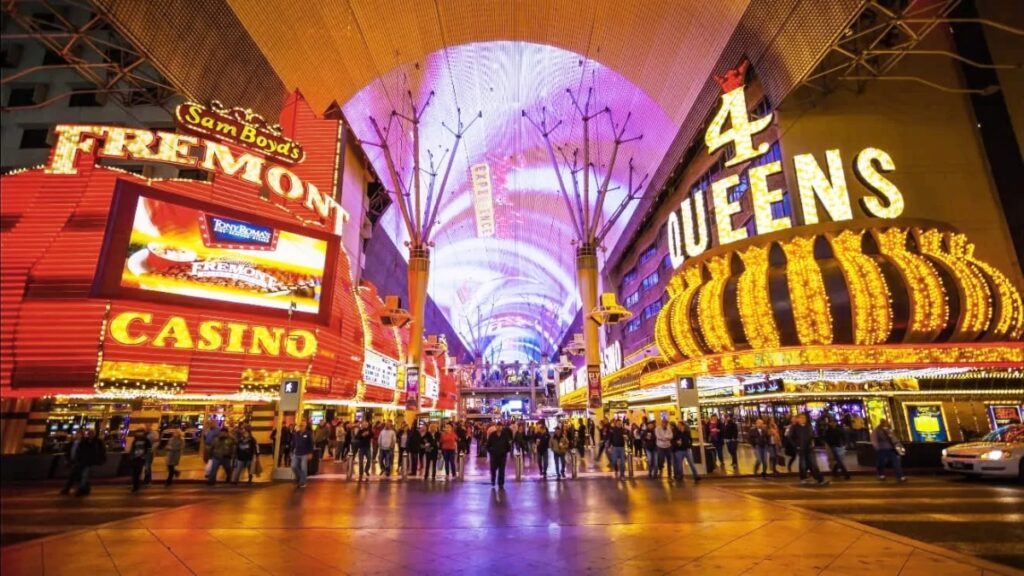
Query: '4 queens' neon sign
(689, 228)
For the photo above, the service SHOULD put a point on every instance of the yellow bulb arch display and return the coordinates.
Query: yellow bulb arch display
(841, 285)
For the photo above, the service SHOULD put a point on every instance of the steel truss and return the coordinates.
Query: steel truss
(110, 64)
(882, 34)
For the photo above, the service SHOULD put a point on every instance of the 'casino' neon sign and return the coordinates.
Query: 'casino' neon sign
(689, 229)
(138, 329)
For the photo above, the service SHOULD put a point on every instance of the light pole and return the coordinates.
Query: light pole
(419, 209)
(589, 226)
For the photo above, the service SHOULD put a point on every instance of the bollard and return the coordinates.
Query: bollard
(573, 464)
(629, 464)
(519, 466)
(461, 466)
(405, 466)
(349, 466)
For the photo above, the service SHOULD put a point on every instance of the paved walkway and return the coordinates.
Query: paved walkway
(596, 526)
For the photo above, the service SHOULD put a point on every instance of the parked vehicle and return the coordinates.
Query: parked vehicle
(999, 454)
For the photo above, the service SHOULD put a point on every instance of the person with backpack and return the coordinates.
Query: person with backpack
(888, 449)
(499, 444)
(138, 453)
(559, 446)
(222, 455)
(835, 439)
(650, 443)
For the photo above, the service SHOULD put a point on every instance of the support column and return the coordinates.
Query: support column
(14, 414)
(586, 274)
(419, 273)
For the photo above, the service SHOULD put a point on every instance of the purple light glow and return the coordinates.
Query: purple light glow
(522, 281)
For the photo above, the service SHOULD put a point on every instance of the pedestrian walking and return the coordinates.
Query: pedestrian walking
(361, 444)
(222, 455)
(682, 449)
(835, 439)
(543, 443)
(138, 453)
(559, 447)
(449, 445)
(302, 448)
(175, 445)
(759, 438)
(246, 452)
(386, 441)
(803, 438)
(731, 435)
(431, 448)
(82, 453)
(616, 438)
(888, 449)
(498, 445)
(663, 444)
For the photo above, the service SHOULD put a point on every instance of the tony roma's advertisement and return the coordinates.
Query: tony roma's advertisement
(180, 249)
(926, 423)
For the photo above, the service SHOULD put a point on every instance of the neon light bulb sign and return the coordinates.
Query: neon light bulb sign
(689, 228)
(190, 152)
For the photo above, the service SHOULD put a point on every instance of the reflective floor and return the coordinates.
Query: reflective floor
(593, 525)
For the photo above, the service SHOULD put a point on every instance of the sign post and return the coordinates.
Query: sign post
(687, 399)
(289, 401)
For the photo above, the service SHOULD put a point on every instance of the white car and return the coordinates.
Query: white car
(1000, 453)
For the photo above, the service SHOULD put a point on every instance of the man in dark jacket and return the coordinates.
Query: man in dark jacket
(415, 447)
(615, 439)
(82, 453)
(802, 437)
(682, 449)
(758, 438)
(302, 446)
(222, 455)
(499, 444)
(731, 434)
(835, 439)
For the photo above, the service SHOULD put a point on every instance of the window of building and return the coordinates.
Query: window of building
(651, 310)
(35, 138)
(84, 98)
(632, 326)
(10, 55)
(649, 253)
(22, 96)
(666, 262)
(629, 276)
(633, 298)
(51, 58)
(650, 281)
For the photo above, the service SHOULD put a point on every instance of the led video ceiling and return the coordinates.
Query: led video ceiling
(503, 267)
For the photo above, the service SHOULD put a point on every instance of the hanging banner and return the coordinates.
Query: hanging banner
(412, 387)
(483, 200)
(594, 386)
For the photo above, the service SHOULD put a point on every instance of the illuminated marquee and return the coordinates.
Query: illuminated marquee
(186, 151)
(242, 127)
(689, 228)
(138, 329)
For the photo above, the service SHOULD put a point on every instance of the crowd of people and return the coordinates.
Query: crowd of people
(665, 448)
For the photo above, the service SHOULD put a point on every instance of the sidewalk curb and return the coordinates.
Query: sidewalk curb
(981, 563)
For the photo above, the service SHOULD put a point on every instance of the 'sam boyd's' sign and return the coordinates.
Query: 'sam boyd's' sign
(239, 126)
(689, 228)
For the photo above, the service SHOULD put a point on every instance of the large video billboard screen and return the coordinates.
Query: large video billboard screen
(178, 248)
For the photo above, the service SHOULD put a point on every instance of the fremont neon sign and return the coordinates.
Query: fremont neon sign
(187, 151)
(689, 229)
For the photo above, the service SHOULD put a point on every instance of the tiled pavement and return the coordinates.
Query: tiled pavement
(596, 526)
